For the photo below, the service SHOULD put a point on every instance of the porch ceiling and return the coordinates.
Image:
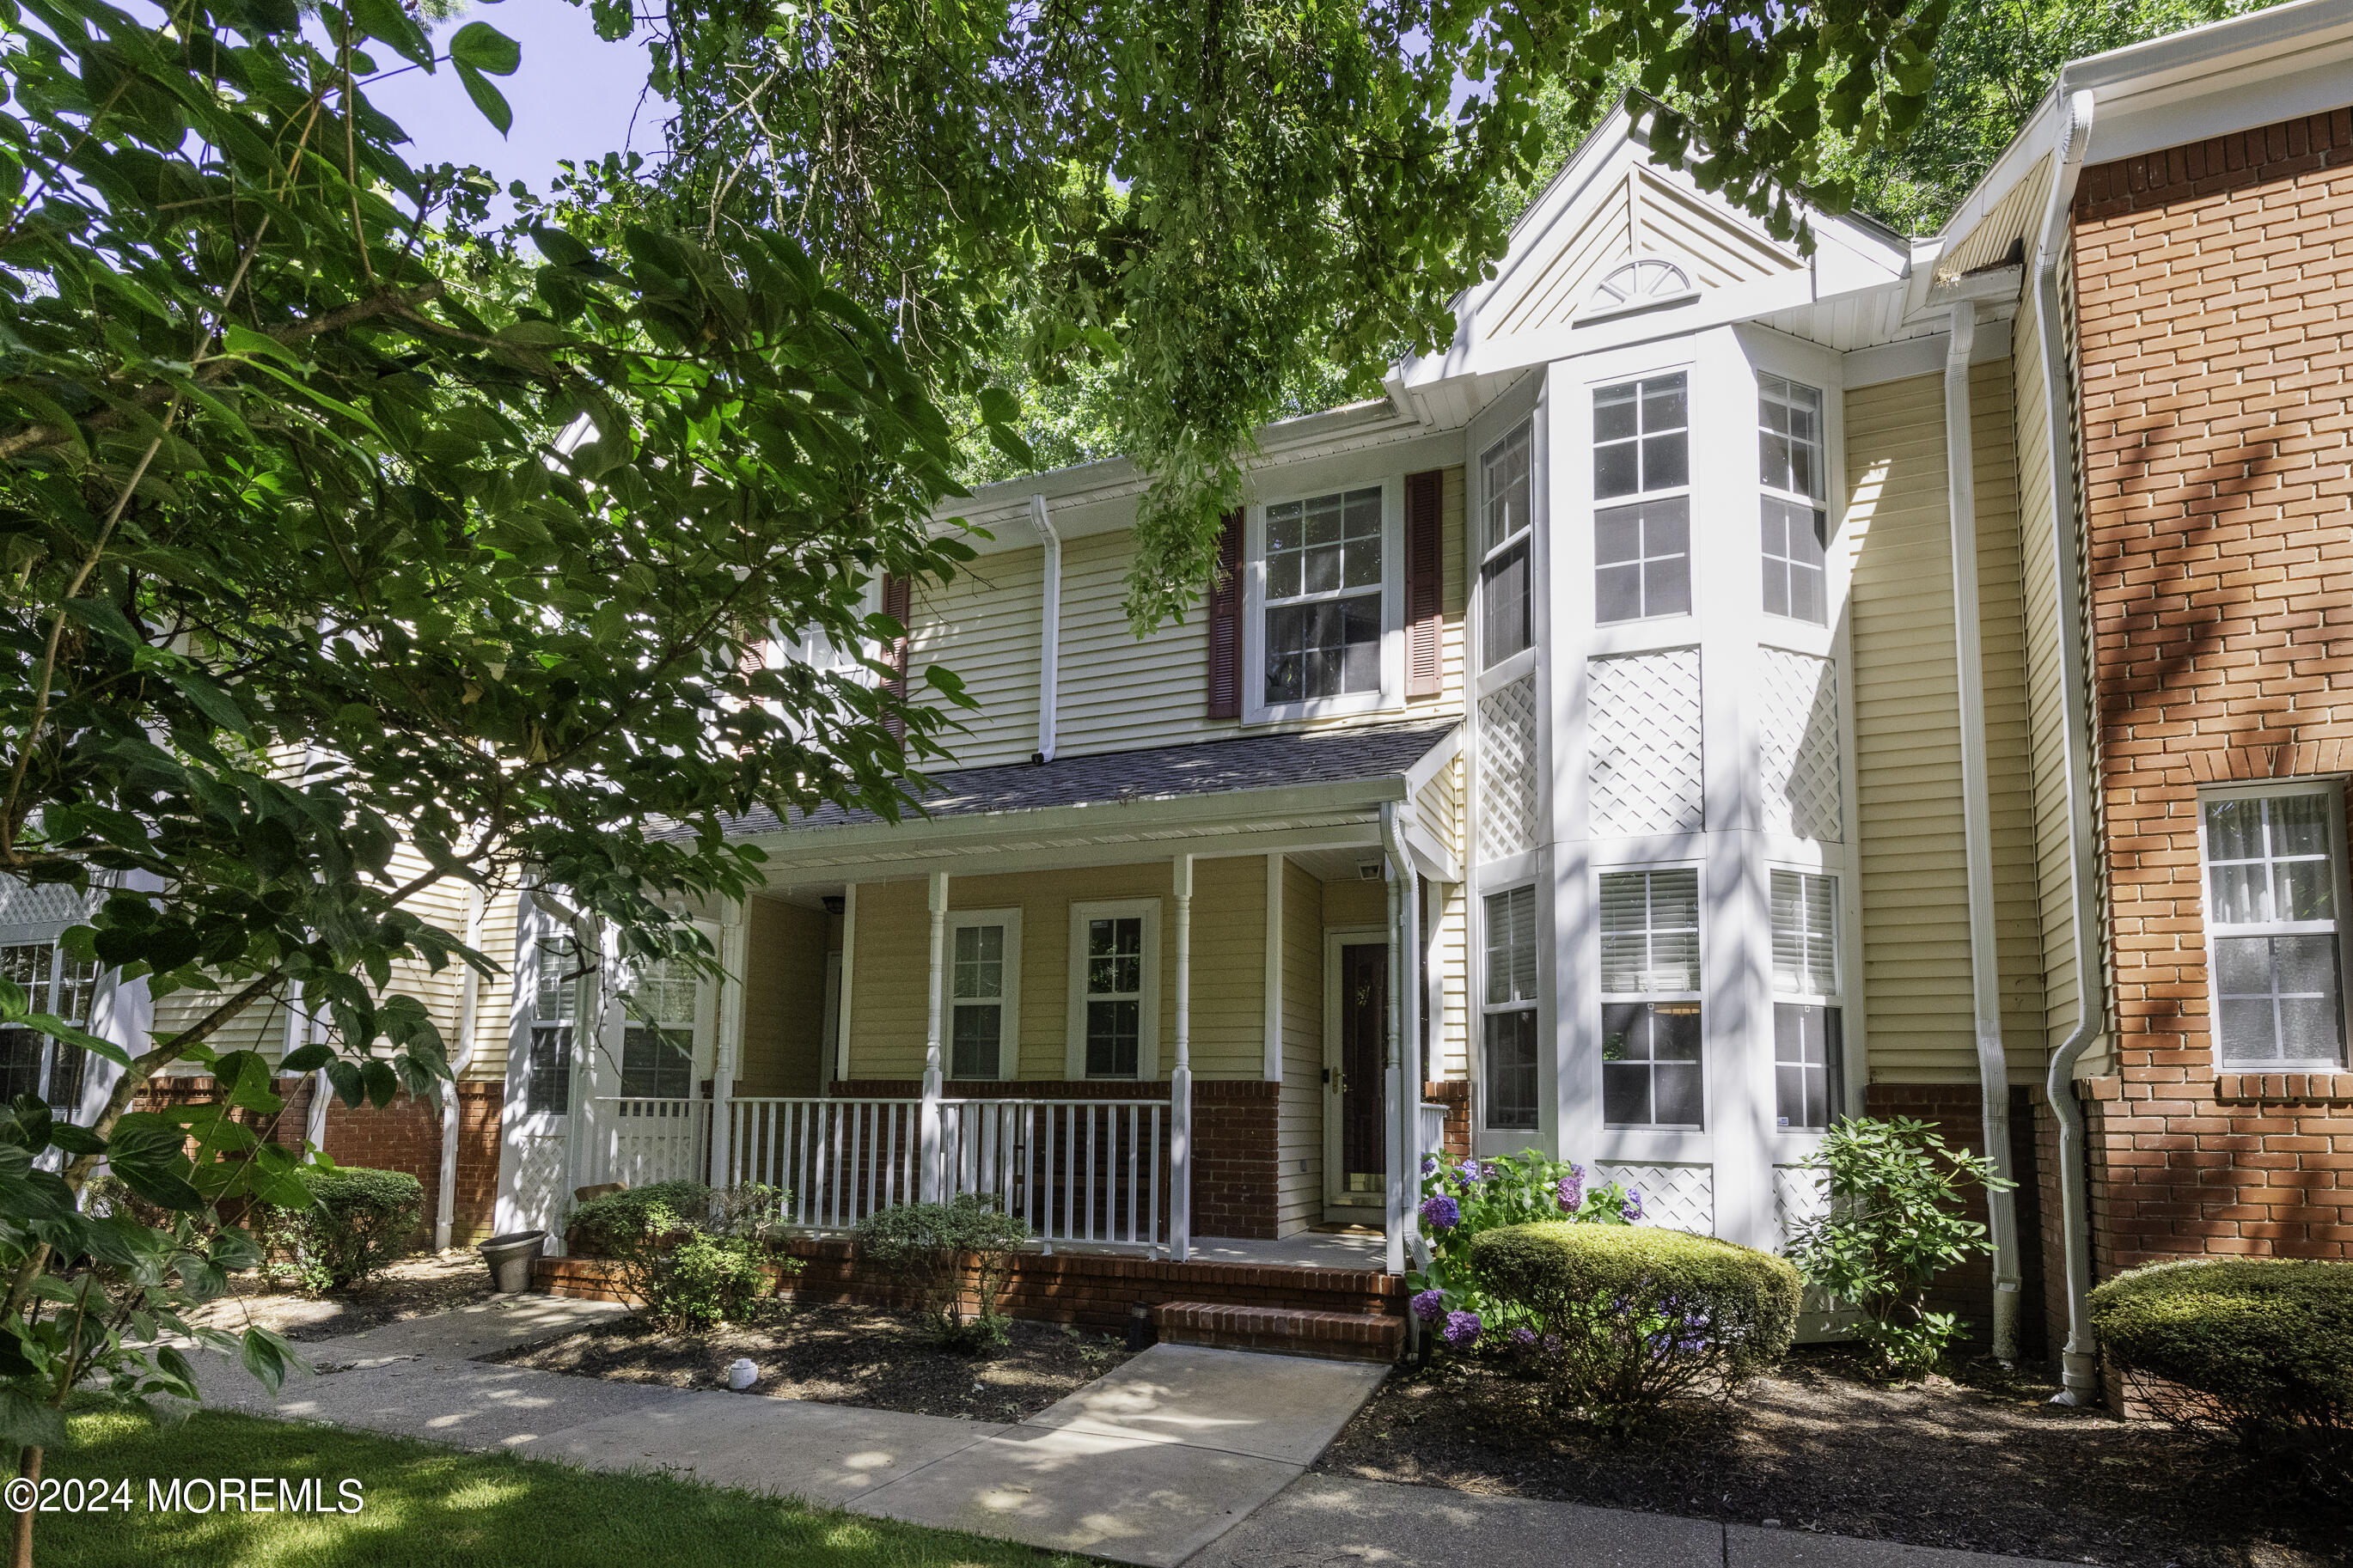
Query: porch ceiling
(1320, 787)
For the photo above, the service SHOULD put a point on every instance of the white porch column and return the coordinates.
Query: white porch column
(1402, 1090)
(727, 1050)
(469, 1013)
(1180, 1077)
(933, 1076)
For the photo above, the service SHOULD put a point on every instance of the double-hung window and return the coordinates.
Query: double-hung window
(2275, 869)
(1509, 1009)
(984, 993)
(1324, 596)
(555, 1014)
(1506, 576)
(1114, 989)
(1650, 999)
(1641, 469)
(1807, 1017)
(1796, 524)
(64, 986)
(658, 1034)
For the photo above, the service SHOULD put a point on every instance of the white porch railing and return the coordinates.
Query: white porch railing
(1433, 1133)
(1073, 1171)
(640, 1142)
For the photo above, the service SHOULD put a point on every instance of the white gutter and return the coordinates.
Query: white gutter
(1977, 825)
(1049, 627)
(2080, 1358)
(469, 1002)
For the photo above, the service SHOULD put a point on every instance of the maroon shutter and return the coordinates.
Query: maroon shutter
(1425, 574)
(897, 604)
(1225, 614)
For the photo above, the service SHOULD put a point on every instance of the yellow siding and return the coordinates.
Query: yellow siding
(1117, 691)
(984, 626)
(1357, 903)
(1907, 744)
(1449, 1053)
(890, 1009)
(1439, 805)
(493, 1012)
(784, 999)
(2009, 771)
(1299, 1113)
(2003, 226)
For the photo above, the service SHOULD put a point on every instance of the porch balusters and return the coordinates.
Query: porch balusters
(1180, 1077)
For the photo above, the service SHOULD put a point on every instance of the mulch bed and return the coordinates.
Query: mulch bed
(412, 1288)
(846, 1355)
(1984, 1463)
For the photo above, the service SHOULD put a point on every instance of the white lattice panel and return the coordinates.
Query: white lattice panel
(1798, 737)
(52, 905)
(1678, 1197)
(1642, 732)
(1507, 769)
(1799, 1197)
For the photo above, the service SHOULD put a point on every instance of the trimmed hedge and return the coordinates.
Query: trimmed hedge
(1629, 1317)
(2259, 1349)
(360, 1220)
(931, 1249)
(604, 1226)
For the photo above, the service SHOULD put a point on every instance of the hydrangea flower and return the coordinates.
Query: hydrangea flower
(1441, 1213)
(1472, 1171)
(1524, 1340)
(1633, 1210)
(1429, 1163)
(1430, 1306)
(1571, 1189)
(1462, 1329)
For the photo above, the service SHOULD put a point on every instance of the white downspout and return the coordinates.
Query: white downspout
(1403, 1083)
(934, 1078)
(2079, 1362)
(1976, 828)
(469, 1003)
(1180, 1077)
(1049, 628)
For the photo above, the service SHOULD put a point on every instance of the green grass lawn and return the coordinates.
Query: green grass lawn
(427, 1506)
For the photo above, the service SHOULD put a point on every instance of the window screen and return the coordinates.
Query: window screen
(2271, 868)
(1324, 596)
(1509, 1026)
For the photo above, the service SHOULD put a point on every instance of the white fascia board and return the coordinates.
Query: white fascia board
(1923, 356)
(1344, 830)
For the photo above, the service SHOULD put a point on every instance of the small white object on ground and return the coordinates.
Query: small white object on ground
(742, 1374)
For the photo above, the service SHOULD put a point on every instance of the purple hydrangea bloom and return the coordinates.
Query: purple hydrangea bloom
(1524, 1340)
(1429, 1163)
(1462, 1329)
(1633, 1210)
(1441, 1213)
(1430, 1306)
(1472, 1171)
(1571, 1189)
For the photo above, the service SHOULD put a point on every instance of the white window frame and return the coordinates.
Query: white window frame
(1008, 1003)
(1148, 1043)
(1804, 997)
(694, 1025)
(2332, 791)
(1699, 997)
(541, 940)
(1817, 504)
(1688, 492)
(1482, 556)
(1256, 708)
(45, 1000)
(1534, 1005)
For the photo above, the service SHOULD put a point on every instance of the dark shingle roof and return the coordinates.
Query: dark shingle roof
(1155, 773)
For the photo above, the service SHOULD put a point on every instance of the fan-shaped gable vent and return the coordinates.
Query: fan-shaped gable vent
(1643, 284)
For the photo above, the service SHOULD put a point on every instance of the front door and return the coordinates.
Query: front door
(1362, 1031)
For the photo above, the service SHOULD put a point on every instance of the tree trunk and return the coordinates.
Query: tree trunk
(29, 1467)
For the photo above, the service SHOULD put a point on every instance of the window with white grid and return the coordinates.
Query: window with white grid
(1324, 596)
(554, 1013)
(1642, 463)
(1794, 523)
(2275, 867)
(1650, 1074)
(1508, 1009)
(1808, 1020)
(984, 990)
(1507, 577)
(63, 987)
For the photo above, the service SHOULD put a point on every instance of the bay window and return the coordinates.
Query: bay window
(1651, 1072)
(1808, 1020)
(1507, 578)
(1642, 463)
(1794, 523)
(1508, 1023)
(56, 983)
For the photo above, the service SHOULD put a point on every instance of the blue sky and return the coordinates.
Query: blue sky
(572, 98)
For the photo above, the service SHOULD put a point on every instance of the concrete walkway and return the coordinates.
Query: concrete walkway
(1179, 1456)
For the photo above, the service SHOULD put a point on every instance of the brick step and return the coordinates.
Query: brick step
(1284, 1330)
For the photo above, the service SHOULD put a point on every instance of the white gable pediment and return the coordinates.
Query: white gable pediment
(1622, 242)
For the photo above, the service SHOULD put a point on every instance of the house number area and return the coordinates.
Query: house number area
(230, 1494)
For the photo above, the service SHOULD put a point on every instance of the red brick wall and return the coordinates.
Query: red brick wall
(1454, 1094)
(1957, 1112)
(2213, 283)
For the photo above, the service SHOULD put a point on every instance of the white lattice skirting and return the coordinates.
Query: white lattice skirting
(1797, 745)
(1677, 1198)
(1642, 733)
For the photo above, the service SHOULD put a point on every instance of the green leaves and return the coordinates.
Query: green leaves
(479, 49)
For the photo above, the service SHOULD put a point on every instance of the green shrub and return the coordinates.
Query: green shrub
(358, 1221)
(2258, 1349)
(1463, 1202)
(1622, 1319)
(931, 1250)
(693, 1257)
(1892, 1224)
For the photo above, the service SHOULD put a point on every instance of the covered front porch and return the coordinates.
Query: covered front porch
(1178, 1003)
